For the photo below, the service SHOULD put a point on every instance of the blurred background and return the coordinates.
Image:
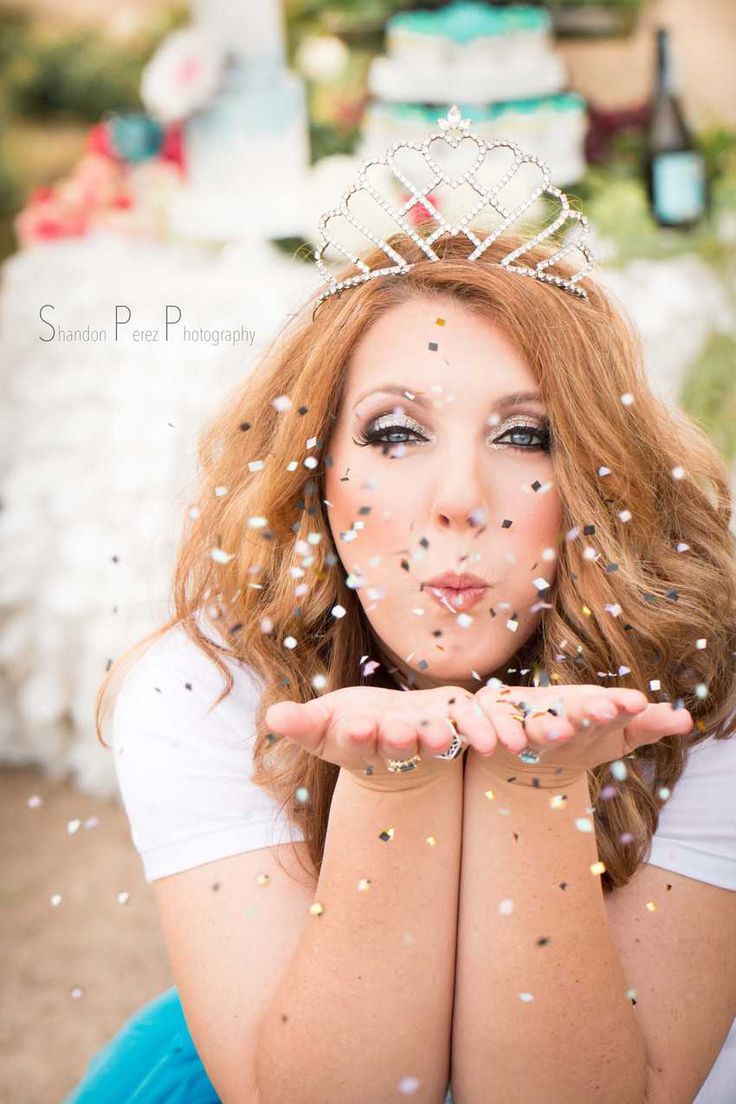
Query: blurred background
(162, 173)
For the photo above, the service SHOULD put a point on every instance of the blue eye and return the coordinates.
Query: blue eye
(387, 435)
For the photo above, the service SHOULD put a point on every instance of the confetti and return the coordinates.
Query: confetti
(290, 642)
(526, 997)
(338, 611)
(431, 840)
(34, 801)
(364, 885)
(678, 472)
(73, 826)
(123, 897)
(220, 491)
(302, 794)
(433, 346)
(316, 909)
(625, 515)
(386, 835)
(627, 398)
(220, 556)
(283, 402)
(409, 1085)
(541, 584)
(255, 465)
(506, 907)
(598, 868)
(604, 471)
(512, 624)
(263, 879)
(619, 770)
(583, 824)
(439, 321)
(75, 993)
(701, 643)
(55, 900)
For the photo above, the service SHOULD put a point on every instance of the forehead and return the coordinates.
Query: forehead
(440, 344)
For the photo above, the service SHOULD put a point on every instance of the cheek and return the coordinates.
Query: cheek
(358, 479)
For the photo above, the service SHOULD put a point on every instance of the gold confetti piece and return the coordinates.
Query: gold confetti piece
(431, 840)
(598, 868)
(263, 879)
(587, 611)
(558, 801)
(651, 905)
(490, 795)
(386, 835)
(316, 909)
(439, 321)
(364, 885)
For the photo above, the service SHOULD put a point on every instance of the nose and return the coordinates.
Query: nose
(460, 497)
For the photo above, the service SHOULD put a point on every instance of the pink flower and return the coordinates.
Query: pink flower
(49, 219)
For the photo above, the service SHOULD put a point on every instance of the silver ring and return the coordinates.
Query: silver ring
(455, 747)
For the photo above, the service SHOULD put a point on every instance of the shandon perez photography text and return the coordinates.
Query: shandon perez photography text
(123, 328)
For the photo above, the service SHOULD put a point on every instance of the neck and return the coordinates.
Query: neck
(401, 672)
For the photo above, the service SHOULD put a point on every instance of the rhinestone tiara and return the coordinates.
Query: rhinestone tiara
(454, 131)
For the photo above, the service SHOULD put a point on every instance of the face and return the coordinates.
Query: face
(434, 470)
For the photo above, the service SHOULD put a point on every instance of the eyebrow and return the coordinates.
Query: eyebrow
(423, 398)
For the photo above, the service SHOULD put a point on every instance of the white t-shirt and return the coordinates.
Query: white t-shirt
(184, 777)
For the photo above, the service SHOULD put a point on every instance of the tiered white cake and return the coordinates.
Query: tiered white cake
(247, 153)
(497, 64)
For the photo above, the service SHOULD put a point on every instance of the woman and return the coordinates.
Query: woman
(532, 891)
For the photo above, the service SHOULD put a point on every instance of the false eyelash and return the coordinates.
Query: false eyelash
(373, 435)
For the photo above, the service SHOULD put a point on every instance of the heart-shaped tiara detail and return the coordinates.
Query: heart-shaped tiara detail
(454, 130)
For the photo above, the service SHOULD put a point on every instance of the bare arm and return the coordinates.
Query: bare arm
(541, 1008)
(366, 999)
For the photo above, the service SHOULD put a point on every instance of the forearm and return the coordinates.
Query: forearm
(366, 999)
(537, 1021)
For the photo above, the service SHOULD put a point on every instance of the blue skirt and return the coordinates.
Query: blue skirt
(151, 1060)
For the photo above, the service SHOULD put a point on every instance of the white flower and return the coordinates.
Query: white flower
(321, 57)
(182, 75)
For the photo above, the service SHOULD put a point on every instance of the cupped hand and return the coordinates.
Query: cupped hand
(358, 728)
(593, 725)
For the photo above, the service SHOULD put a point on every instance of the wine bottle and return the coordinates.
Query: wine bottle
(675, 167)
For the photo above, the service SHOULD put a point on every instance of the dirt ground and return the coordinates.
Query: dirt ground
(113, 952)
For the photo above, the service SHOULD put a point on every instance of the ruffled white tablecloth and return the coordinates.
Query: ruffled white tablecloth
(98, 448)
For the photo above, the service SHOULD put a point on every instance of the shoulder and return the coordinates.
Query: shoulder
(175, 680)
(184, 763)
(696, 835)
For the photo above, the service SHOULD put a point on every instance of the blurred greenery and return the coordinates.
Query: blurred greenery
(75, 73)
(709, 392)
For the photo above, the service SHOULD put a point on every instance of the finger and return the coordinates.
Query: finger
(355, 734)
(304, 722)
(508, 730)
(397, 737)
(436, 734)
(657, 720)
(476, 725)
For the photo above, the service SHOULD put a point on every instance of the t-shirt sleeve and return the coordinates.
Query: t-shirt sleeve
(696, 835)
(184, 769)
